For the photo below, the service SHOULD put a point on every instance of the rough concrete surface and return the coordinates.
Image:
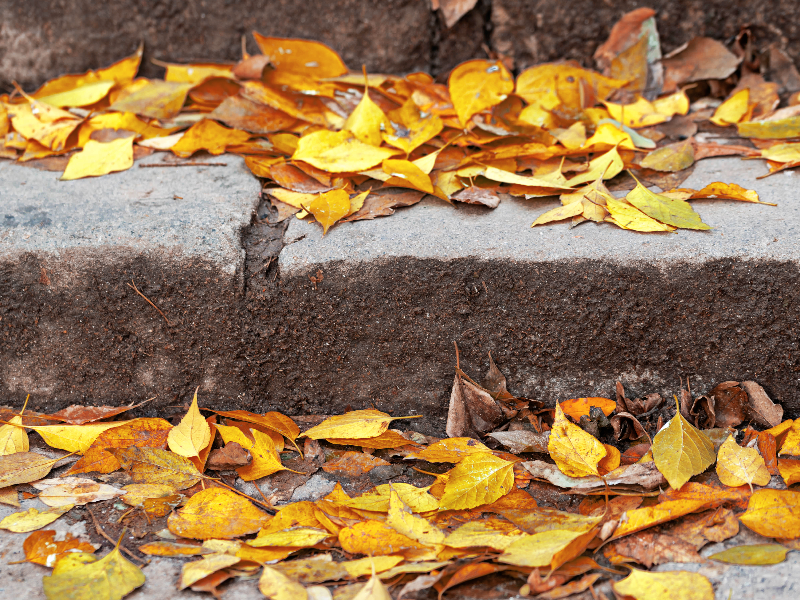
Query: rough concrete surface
(40, 39)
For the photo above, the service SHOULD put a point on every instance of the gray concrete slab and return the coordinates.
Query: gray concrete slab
(436, 230)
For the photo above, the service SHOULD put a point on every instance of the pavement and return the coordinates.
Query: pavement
(367, 315)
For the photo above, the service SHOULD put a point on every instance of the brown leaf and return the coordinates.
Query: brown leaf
(230, 457)
(730, 401)
(708, 526)
(353, 464)
(649, 548)
(472, 412)
(78, 415)
(624, 34)
(382, 202)
(768, 448)
(782, 69)
(711, 150)
(634, 454)
(702, 412)
(626, 426)
(476, 195)
(700, 59)
(761, 409)
(453, 10)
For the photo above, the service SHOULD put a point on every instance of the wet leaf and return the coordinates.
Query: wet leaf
(46, 547)
(739, 466)
(642, 585)
(575, 452)
(757, 554)
(774, 513)
(110, 578)
(98, 159)
(477, 479)
(216, 513)
(153, 465)
(681, 451)
(477, 85)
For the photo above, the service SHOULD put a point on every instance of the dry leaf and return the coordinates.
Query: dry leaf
(575, 452)
(376, 538)
(46, 547)
(193, 572)
(32, 519)
(546, 549)
(339, 152)
(477, 479)
(98, 158)
(74, 438)
(353, 464)
(451, 450)
(265, 458)
(477, 85)
(153, 465)
(232, 456)
(401, 519)
(74, 491)
(192, 434)
(24, 467)
(216, 513)
(757, 554)
(522, 440)
(773, 513)
(356, 424)
(209, 136)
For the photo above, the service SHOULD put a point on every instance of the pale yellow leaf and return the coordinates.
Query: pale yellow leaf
(99, 158)
(681, 451)
(739, 466)
(192, 434)
(644, 585)
(32, 519)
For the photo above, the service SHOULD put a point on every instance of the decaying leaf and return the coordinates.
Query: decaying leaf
(74, 491)
(153, 465)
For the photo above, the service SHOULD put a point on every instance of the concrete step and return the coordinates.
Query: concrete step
(565, 312)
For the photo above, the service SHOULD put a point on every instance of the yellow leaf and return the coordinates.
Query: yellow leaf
(559, 213)
(643, 585)
(216, 513)
(406, 174)
(770, 130)
(357, 424)
(196, 570)
(502, 176)
(681, 451)
(125, 121)
(641, 113)
(575, 452)
(13, 437)
(375, 538)
(755, 554)
(277, 586)
(299, 537)
(401, 519)
(674, 104)
(629, 217)
(606, 165)
(209, 136)
(373, 590)
(573, 137)
(672, 158)
(110, 578)
(274, 421)
(171, 549)
(774, 513)
(377, 499)
(732, 110)
(33, 123)
(478, 479)
(493, 532)
(192, 434)
(266, 460)
(329, 207)
(670, 211)
(451, 450)
(476, 85)
(32, 519)
(339, 151)
(540, 519)
(24, 467)
(84, 95)
(42, 547)
(195, 73)
(73, 438)
(137, 493)
(157, 466)
(367, 122)
(738, 466)
(642, 518)
(565, 83)
(303, 57)
(610, 461)
(98, 158)
(782, 153)
(546, 549)
(608, 136)
(121, 72)
(414, 128)
(790, 470)
(154, 99)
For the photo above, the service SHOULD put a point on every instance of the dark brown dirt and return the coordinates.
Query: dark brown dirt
(41, 39)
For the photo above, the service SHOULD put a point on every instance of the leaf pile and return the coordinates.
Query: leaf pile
(540, 497)
(336, 146)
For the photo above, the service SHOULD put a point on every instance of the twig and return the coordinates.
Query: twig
(113, 543)
(135, 289)
(186, 164)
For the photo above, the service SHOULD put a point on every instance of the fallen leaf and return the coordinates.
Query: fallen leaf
(388, 439)
(628, 216)
(401, 519)
(80, 415)
(209, 136)
(452, 450)
(472, 411)
(111, 578)
(575, 452)
(477, 479)
(301, 56)
(739, 466)
(274, 421)
(376, 538)
(733, 110)
(24, 467)
(46, 547)
(150, 433)
(193, 572)
(578, 407)
(171, 549)
(773, 513)
(265, 458)
(571, 588)
(546, 549)
(493, 533)
(770, 130)
(756, 554)
(356, 424)
(216, 513)
(762, 410)
(476, 85)
(648, 549)
(244, 114)
(468, 573)
(522, 440)
(192, 434)
(297, 537)
(32, 519)
(353, 464)
(669, 211)
(373, 590)
(74, 491)
(338, 152)
(377, 499)
(673, 158)
(645, 475)
(232, 456)
(642, 585)
(412, 128)
(367, 122)
(681, 451)
(153, 465)
(137, 493)
(329, 207)
(98, 158)
(13, 437)
(154, 99)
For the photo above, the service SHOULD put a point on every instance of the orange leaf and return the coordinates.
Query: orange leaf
(353, 464)
(209, 136)
(216, 513)
(477, 85)
(301, 56)
(578, 407)
(42, 548)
